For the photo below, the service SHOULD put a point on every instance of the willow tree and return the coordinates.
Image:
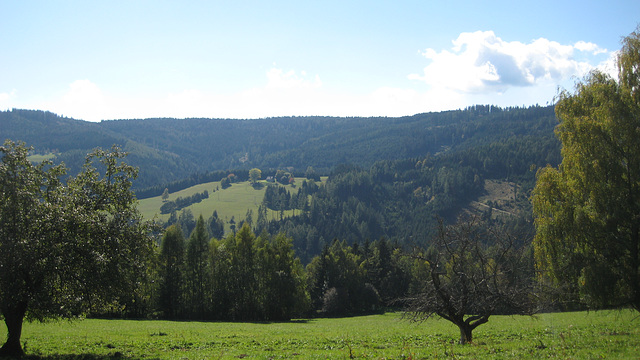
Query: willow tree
(66, 247)
(588, 209)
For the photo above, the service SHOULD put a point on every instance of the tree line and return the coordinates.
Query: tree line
(181, 202)
(244, 277)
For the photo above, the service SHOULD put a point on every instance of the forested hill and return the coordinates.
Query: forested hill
(171, 149)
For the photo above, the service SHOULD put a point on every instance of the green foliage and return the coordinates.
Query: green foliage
(348, 280)
(587, 210)
(179, 203)
(171, 299)
(281, 289)
(166, 150)
(254, 175)
(197, 280)
(398, 200)
(71, 247)
(237, 278)
(216, 226)
(225, 183)
(257, 279)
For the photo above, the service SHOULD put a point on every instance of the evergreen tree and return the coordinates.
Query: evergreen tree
(172, 259)
(197, 271)
(243, 276)
(186, 221)
(216, 226)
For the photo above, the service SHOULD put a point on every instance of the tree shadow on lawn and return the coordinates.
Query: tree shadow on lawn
(114, 356)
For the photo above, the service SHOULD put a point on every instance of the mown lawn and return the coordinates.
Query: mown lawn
(578, 335)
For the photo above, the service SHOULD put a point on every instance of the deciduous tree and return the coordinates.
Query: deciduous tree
(588, 209)
(66, 247)
(254, 175)
(471, 273)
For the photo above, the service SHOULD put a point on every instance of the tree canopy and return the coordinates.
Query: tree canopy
(473, 271)
(66, 247)
(588, 209)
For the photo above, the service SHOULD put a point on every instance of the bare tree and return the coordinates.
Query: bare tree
(472, 272)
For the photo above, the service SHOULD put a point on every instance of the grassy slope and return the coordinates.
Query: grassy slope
(579, 335)
(233, 201)
(38, 158)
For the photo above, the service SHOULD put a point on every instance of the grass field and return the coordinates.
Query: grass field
(578, 335)
(38, 158)
(233, 201)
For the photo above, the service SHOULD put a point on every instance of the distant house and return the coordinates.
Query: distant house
(271, 179)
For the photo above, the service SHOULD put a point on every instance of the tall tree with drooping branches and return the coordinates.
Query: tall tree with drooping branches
(588, 209)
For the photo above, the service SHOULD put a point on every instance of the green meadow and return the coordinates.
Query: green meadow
(576, 335)
(231, 202)
(38, 158)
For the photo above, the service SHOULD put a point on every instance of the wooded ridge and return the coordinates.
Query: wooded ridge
(168, 150)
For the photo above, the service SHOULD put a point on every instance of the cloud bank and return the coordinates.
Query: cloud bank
(479, 68)
(481, 62)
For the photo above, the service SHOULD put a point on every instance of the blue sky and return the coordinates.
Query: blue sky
(97, 60)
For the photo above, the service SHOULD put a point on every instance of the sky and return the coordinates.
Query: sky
(99, 60)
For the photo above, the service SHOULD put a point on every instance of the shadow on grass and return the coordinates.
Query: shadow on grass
(114, 356)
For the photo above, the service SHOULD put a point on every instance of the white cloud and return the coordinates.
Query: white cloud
(481, 62)
(589, 47)
(83, 100)
(278, 79)
(6, 98)
(479, 68)
(284, 93)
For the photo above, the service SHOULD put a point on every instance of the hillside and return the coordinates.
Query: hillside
(70, 140)
(166, 150)
(387, 177)
(233, 202)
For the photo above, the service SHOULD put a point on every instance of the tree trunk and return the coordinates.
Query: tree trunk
(13, 317)
(465, 334)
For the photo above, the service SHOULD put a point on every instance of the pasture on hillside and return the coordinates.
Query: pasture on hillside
(571, 335)
(38, 158)
(231, 202)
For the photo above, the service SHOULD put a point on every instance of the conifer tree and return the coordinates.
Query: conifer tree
(197, 270)
(172, 272)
